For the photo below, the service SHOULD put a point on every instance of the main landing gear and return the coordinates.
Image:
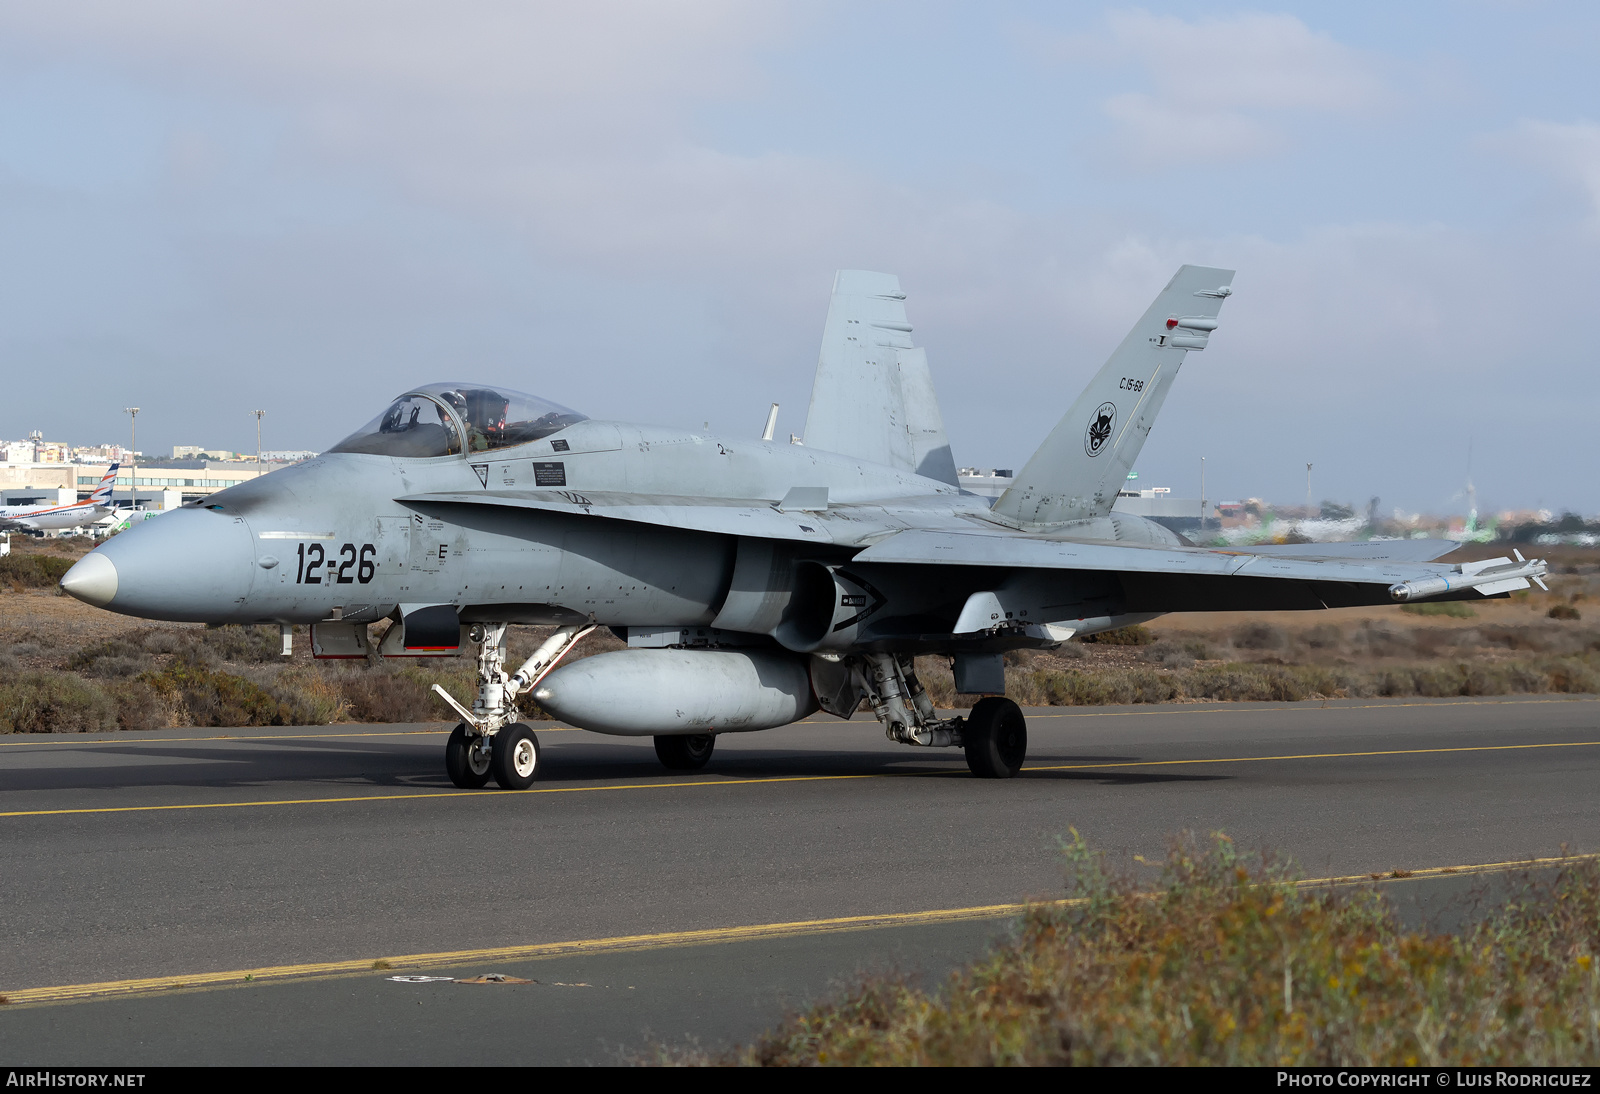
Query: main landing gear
(685, 751)
(994, 735)
(491, 740)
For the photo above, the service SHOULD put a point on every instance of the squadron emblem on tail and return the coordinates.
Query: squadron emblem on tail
(1099, 431)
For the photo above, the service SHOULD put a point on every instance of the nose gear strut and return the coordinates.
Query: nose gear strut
(473, 750)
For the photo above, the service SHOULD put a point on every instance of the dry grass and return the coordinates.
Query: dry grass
(1227, 960)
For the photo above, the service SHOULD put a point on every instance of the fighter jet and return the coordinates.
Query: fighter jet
(755, 582)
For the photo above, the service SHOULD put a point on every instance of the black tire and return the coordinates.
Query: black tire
(516, 757)
(996, 738)
(468, 767)
(685, 751)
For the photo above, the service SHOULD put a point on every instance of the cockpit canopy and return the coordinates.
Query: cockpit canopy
(446, 419)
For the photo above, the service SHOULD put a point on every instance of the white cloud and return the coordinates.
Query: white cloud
(1156, 132)
(1220, 88)
(1569, 150)
(534, 53)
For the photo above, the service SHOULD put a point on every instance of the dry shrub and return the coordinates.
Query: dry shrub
(1453, 609)
(1256, 682)
(1228, 960)
(1171, 655)
(20, 571)
(1135, 635)
(1574, 675)
(54, 702)
(1260, 636)
(205, 697)
(315, 699)
(1381, 639)
(1516, 638)
(242, 644)
(1564, 611)
(1049, 687)
(139, 706)
(1323, 637)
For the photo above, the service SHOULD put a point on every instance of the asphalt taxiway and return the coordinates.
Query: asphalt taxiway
(145, 876)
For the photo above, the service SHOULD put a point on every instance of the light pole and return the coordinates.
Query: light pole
(1202, 495)
(258, 414)
(133, 450)
(1308, 491)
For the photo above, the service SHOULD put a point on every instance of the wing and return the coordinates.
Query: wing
(1377, 550)
(1146, 578)
(873, 396)
(1031, 573)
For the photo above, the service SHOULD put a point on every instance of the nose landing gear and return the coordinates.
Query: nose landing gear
(466, 758)
(490, 739)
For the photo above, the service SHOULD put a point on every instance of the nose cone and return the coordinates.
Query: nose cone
(187, 566)
(93, 580)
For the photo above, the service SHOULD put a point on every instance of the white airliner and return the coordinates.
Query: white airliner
(40, 518)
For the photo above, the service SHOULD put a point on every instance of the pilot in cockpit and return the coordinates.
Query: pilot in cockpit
(484, 413)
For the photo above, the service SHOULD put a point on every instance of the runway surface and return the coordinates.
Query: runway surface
(195, 856)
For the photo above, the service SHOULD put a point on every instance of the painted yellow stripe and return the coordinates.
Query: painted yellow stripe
(668, 785)
(1314, 756)
(522, 953)
(728, 782)
(1270, 707)
(1153, 710)
(662, 940)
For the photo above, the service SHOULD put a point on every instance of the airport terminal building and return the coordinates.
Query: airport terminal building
(163, 484)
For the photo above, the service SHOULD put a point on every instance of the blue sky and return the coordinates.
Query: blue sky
(637, 208)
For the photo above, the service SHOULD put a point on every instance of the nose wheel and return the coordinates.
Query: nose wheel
(467, 758)
(515, 760)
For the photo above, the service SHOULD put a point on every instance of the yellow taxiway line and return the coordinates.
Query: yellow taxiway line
(733, 782)
(1153, 710)
(661, 940)
(1312, 756)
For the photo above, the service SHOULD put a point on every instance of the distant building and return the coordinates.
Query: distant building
(985, 482)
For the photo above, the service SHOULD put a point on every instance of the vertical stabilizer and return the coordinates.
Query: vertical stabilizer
(102, 492)
(873, 395)
(1076, 473)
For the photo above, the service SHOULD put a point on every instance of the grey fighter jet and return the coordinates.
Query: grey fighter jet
(754, 582)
